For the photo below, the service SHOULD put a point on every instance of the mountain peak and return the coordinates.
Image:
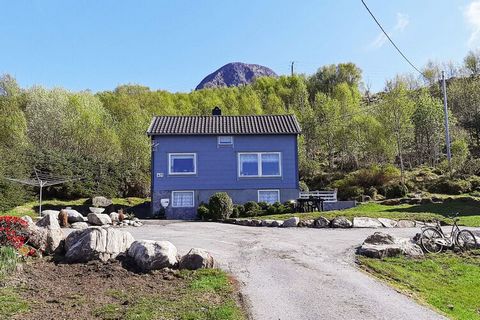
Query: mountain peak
(235, 74)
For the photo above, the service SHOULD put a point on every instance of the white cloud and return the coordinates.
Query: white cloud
(402, 22)
(472, 14)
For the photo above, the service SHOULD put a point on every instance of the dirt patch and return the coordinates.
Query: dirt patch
(95, 290)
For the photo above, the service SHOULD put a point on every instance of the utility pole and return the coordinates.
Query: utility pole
(445, 110)
(291, 67)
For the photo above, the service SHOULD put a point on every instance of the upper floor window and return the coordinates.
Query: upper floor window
(225, 141)
(182, 163)
(259, 164)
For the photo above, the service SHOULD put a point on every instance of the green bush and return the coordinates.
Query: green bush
(450, 186)
(203, 212)
(220, 205)
(251, 206)
(263, 205)
(238, 211)
(394, 190)
(475, 183)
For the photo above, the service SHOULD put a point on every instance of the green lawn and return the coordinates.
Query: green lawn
(469, 209)
(31, 208)
(447, 282)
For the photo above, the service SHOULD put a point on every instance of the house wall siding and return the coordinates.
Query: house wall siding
(217, 167)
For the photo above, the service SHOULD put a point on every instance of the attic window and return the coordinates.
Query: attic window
(225, 141)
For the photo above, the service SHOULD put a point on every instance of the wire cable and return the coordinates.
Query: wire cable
(391, 41)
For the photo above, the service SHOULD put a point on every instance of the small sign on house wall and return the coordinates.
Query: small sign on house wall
(159, 174)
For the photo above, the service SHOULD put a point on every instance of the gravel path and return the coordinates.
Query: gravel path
(294, 273)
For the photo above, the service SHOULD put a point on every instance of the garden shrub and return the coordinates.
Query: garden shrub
(394, 190)
(220, 206)
(13, 232)
(450, 186)
(203, 212)
(238, 211)
(251, 206)
(263, 205)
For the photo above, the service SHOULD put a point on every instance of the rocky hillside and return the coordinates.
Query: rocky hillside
(235, 74)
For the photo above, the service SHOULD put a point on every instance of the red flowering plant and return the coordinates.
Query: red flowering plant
(13, 232)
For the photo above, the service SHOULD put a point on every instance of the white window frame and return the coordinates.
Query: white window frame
(259, 157)
(170, 155)
(268, 190)
(224, 144)
(178, 191)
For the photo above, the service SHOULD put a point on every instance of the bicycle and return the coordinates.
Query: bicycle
(434, 240)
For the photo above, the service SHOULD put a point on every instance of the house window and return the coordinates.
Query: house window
(259, 164)
(269, 196)
(183, 199)
(224, 141)
(182, 163)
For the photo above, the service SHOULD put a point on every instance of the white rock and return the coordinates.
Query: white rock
(45, 212)
(153, 255)
(405, 224)
(114, 216)
(49, 220)
(292, 222)
(99, 219)
(388, 223)
(74, 216)
(101, 202)
(195, 259)
(79, 225)
(364, 222)
(96, 243)
(46, 240)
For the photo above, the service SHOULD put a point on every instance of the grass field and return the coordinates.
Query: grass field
(447, 282)
(31, 208)
(469, 209)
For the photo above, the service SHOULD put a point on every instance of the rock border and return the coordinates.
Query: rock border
(339, 222)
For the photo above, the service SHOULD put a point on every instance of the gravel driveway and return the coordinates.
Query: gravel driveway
(295, 273)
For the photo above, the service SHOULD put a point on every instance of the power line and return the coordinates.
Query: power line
(390, 39)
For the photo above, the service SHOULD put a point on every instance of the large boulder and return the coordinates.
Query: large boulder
(99, 219)
(195, 259)
(306, 223)
(74, 216)
(28, 219)
(96, 243)
(277, 223)
(292, 222)
(388, 223)
(47, 240)
(49, 221)
(364, 222)
(382, 245)
(102, 202)
(153, 255)
(340, 222)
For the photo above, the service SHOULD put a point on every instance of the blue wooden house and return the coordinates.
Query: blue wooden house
(249, 157)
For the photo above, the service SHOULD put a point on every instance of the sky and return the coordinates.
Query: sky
(173, 45)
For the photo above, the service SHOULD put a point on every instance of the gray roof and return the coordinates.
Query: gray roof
(228, 125)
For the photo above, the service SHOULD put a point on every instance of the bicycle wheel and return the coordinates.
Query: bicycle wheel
(428, 240)
(466, 240)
